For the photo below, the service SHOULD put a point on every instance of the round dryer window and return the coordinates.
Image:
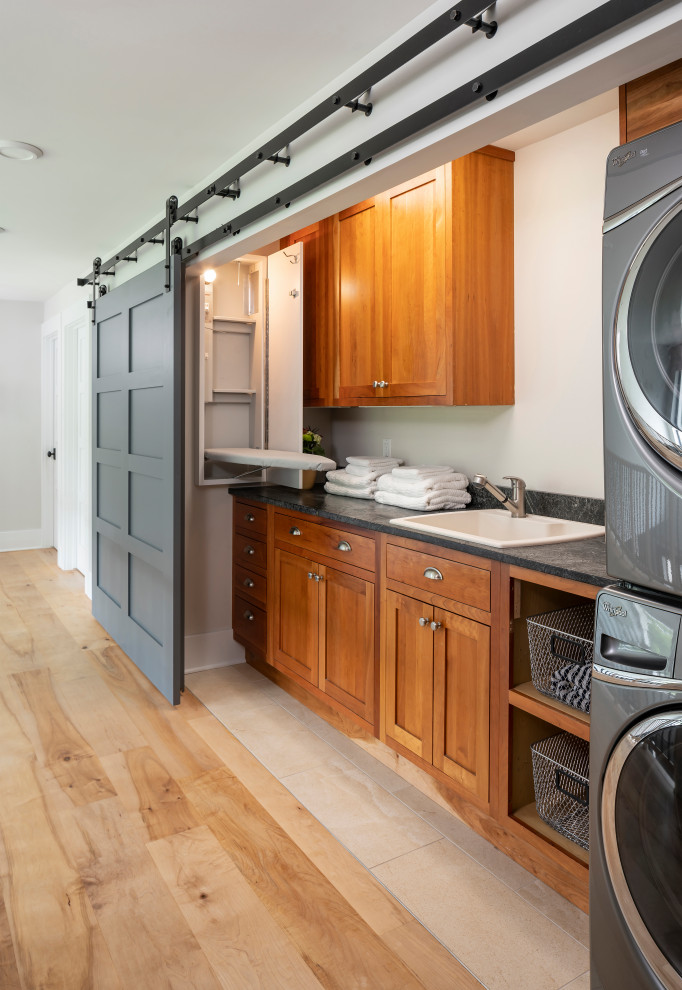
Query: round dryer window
(648, 337)
(641, 818)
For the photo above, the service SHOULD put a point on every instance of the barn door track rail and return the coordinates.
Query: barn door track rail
(577, 33)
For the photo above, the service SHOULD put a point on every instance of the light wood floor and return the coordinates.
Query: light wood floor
(142, 846)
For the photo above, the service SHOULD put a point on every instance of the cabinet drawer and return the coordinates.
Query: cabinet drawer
(250, 551)
(335, 543)
(459, 582)
(250, 518)
(250, 584)
(249, 624)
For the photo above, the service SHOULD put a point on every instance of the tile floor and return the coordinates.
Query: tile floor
(509, 929)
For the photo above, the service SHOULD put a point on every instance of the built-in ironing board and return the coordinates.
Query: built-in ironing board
(259, 459)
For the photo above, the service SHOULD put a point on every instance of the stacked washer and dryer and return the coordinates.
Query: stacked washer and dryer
(636, 711)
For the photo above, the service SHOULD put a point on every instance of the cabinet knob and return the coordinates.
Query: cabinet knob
(250, 517)
(436, 625)
(344, 545)
(318, 577)
(249, 550)
(433, 574)
(423, 621)
(310, 575)
(248, 583)
(294, 531)
(248, 616)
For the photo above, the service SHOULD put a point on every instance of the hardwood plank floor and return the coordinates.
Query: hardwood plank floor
(143, 846)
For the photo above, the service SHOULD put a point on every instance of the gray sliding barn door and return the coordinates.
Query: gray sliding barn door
(137, 480)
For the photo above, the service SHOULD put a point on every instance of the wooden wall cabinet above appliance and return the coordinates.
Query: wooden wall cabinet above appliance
(408, 297)
(651, 102)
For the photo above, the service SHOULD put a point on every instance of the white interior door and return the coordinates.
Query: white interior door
(284, 361)
(83, 457)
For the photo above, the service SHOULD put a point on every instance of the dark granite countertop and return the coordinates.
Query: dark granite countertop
(580, 560)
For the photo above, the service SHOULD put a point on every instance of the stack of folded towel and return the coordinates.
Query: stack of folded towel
(425, 487)
(359, 478)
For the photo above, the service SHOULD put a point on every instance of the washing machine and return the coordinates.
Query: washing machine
(636, 793)
(642, 320)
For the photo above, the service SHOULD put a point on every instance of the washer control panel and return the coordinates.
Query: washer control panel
(635, 635)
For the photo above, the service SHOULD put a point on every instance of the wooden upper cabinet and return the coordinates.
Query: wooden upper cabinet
(651, 102)
(319, 310)
(359, 283)
(414, 266)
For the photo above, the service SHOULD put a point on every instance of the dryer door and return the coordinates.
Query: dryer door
(641, 817)
(648, 337)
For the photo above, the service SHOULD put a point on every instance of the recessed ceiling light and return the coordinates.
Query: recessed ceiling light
(19, 151)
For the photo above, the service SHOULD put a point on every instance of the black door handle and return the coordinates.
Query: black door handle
(52, 453)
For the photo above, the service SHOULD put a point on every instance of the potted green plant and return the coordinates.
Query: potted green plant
(312, 444)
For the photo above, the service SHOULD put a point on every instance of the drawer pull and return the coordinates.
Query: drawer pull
(436, 625)
(423, 621)
(433, 574)
(294, 531)
(250, 517)
(248, 583)
(344, 545)
(248, 616)
(249, 549)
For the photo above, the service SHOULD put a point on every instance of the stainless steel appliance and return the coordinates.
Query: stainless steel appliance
(636, 794)
(642, 282)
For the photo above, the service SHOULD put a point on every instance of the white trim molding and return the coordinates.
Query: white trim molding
(21, 539)
(206, 651)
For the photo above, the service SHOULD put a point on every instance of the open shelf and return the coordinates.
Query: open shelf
(247, 320)
(528, 816)
(527, 697)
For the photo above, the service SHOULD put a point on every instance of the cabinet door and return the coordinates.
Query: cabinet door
(359, 301)
(318, 310)
(414, 268)
(296, 615)
(409, 674)
(347, 640)
(461, 691)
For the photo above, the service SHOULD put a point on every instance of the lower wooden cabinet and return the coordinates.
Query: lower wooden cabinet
(437, 670)
(324, 629)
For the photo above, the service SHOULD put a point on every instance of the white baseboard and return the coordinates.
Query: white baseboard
(21, 539)
(208, 650)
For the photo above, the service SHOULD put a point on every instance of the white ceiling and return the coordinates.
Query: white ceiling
(134, 100)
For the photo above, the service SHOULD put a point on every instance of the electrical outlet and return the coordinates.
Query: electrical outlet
(386, 448)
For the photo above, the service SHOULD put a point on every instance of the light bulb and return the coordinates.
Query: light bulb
(209, 276)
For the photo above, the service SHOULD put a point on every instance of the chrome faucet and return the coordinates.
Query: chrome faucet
(516, 503)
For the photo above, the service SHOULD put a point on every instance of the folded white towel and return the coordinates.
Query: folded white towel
(425, 503)
(350, 492)
(351, 480)
(421, 470)
(367, 472)
(373, 462)
(419, 486)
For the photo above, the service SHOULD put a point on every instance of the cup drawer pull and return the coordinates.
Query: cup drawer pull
(249, 550)
(248, 582)
(248, 616)
(250, 517)
(433, 574)
(294, 531)
(344, 545)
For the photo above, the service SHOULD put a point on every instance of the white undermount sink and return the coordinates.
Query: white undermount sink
(498, 528)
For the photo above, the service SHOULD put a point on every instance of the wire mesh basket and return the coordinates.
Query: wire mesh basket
(561, 780)
(561, 653)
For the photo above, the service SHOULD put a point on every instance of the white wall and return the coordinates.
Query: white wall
(20, 454)
(552, 436)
